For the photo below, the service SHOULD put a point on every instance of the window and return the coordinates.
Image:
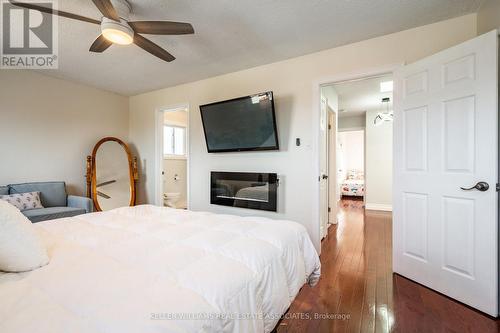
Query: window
(174, 140)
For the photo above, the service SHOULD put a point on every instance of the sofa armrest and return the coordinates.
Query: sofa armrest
(80, 202)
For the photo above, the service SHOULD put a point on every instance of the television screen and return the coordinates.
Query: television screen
(240, 124)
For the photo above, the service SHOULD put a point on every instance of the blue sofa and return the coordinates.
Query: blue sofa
(56, 202)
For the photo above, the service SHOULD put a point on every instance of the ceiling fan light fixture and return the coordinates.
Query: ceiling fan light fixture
(117, 36)
(117, 29)
(117, 32)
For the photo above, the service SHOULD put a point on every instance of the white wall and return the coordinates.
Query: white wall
(331, 96)
(352, 153)
(346, 123)
(49, 126)
(378, 173)
(488, 16)
(292, 82)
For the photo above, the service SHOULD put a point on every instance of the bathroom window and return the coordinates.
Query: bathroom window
(174, 141)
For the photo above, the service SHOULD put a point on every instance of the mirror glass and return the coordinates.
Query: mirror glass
(113, 183)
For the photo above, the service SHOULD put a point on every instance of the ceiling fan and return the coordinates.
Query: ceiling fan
(117, 29)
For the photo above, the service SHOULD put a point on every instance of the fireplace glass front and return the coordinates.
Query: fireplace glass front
(244, 190)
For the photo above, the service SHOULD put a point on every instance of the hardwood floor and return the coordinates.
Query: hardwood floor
(359, 293)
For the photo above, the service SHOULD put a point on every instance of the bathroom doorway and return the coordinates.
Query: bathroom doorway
(174, 158)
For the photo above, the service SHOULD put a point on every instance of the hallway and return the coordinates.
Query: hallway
(359, 293)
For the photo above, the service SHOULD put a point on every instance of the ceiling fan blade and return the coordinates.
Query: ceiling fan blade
(152, 48)
(106, 183)
(105, 196)
(100, 44)
(107, 9)
(55, 12)
(162, 27)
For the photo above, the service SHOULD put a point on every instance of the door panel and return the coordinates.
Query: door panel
(415, 139)
(445, 138)
(416, 83)
(458, 236)
(459, 134)
(415, 225)
(460, 69)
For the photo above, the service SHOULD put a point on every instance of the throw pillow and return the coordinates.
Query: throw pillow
(21, 248)
(23, 201)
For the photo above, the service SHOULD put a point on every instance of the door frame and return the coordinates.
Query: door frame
(158, 177)
(316, 135)
(333, 166)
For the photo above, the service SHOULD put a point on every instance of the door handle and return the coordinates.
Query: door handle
(324, 176)
(480, 186)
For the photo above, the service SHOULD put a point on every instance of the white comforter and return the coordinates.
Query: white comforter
(151, 269)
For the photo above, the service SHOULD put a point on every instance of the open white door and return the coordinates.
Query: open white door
(333, 188)
(445, 139)
(323, 165)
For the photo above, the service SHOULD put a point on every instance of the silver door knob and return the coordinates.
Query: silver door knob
(480, 186)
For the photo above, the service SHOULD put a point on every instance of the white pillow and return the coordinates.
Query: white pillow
(21, 249)
(23, 201)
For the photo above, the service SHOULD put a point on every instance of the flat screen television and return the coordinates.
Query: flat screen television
(240, 124)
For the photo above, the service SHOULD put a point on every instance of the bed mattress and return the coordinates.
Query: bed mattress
(353, 187)
(157, 269)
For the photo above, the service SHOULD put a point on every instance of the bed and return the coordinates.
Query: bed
(353, 185)
(157, 269)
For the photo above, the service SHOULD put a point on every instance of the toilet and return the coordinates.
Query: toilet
(170, 199)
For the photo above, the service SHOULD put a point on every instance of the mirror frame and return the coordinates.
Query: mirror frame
(132, 167)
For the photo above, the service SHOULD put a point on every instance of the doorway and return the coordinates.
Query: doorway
(365, 140)
(351, 170)
(358, 155)
(173, 157)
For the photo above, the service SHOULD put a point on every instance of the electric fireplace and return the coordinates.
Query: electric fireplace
(252, 190)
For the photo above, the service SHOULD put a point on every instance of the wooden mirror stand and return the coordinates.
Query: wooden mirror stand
(112, 168)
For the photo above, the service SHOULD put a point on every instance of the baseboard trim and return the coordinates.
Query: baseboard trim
(382, 207)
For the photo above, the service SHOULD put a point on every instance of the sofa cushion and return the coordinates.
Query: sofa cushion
(51, 213)
(52, 194)
(4, 190)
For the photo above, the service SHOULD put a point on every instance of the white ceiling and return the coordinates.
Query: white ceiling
(357, 97)
(232, 35)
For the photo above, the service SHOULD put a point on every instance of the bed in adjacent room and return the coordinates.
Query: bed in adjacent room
(156, 269)
(354, 184)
